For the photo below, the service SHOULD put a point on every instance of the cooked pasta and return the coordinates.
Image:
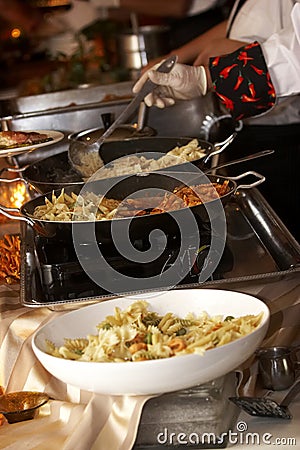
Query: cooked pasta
(134, 163)
(90, 207)
(138, 334)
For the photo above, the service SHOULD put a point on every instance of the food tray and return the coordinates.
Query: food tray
(253, 230)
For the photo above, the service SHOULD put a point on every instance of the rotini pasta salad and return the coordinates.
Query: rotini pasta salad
(138, 334)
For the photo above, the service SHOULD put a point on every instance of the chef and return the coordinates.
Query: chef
(252, 63)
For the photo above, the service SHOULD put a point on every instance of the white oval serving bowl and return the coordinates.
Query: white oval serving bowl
(154, 376)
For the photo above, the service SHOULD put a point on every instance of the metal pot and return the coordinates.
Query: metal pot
(137, 49)
(120, 188)
(125, 131)
(55, 172)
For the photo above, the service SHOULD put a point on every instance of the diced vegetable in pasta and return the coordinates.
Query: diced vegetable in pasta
(138, 334)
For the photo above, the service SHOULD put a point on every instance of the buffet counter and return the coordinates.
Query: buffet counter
(74, 419)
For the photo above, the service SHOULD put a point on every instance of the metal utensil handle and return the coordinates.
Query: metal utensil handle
(148, 87)
(8, 212)
(219, 147)
(295, 389)
(12, 180)
(9, 209)
(240, 160)
(141, 116)
(13, 169)
(260, 180)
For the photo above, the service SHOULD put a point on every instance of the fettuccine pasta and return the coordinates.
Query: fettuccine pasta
(138, 334)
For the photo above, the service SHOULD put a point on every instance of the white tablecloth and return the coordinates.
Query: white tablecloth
(75, 420)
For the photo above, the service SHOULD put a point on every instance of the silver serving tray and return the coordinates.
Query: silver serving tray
(253, 230)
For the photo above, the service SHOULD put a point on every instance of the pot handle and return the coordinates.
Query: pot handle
(219, 147)
(211, 119)
(12, 180)
(9, 212)
(13, 169)
(28, 184)
(260, 180)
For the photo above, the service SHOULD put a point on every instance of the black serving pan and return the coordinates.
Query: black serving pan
(138, 227)
(55, 172)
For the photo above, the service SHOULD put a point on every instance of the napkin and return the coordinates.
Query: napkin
(72, 419)
(79, 420)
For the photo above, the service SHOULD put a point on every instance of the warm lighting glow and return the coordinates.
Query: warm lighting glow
(15, 33)
(18, 195)
(13, 195)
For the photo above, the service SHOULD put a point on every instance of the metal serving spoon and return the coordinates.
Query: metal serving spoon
(266, 407)
(85, 158)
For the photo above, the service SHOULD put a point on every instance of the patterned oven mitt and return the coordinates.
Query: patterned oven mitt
(242, 82)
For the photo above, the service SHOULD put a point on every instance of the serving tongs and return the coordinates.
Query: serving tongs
(238, 161)
(85, 158)
(266, 407)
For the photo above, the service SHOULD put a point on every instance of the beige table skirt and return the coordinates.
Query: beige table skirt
(78, 420)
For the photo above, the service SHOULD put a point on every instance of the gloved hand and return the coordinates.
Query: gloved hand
(182, 83)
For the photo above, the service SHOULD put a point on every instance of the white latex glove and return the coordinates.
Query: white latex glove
(182, 83)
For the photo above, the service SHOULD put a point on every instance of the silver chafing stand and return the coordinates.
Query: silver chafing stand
(268, 256)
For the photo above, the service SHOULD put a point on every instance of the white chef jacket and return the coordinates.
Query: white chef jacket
(275, 24)
(199, 6)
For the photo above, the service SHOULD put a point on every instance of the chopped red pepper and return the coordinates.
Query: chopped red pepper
(244, 57)
(271, 92)
(239, 81)
(269, 104)
(251, 45)
(257, 70)
(252, 89)
(245, 98)
(226, 71)
(215, 61)
(227, 101)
